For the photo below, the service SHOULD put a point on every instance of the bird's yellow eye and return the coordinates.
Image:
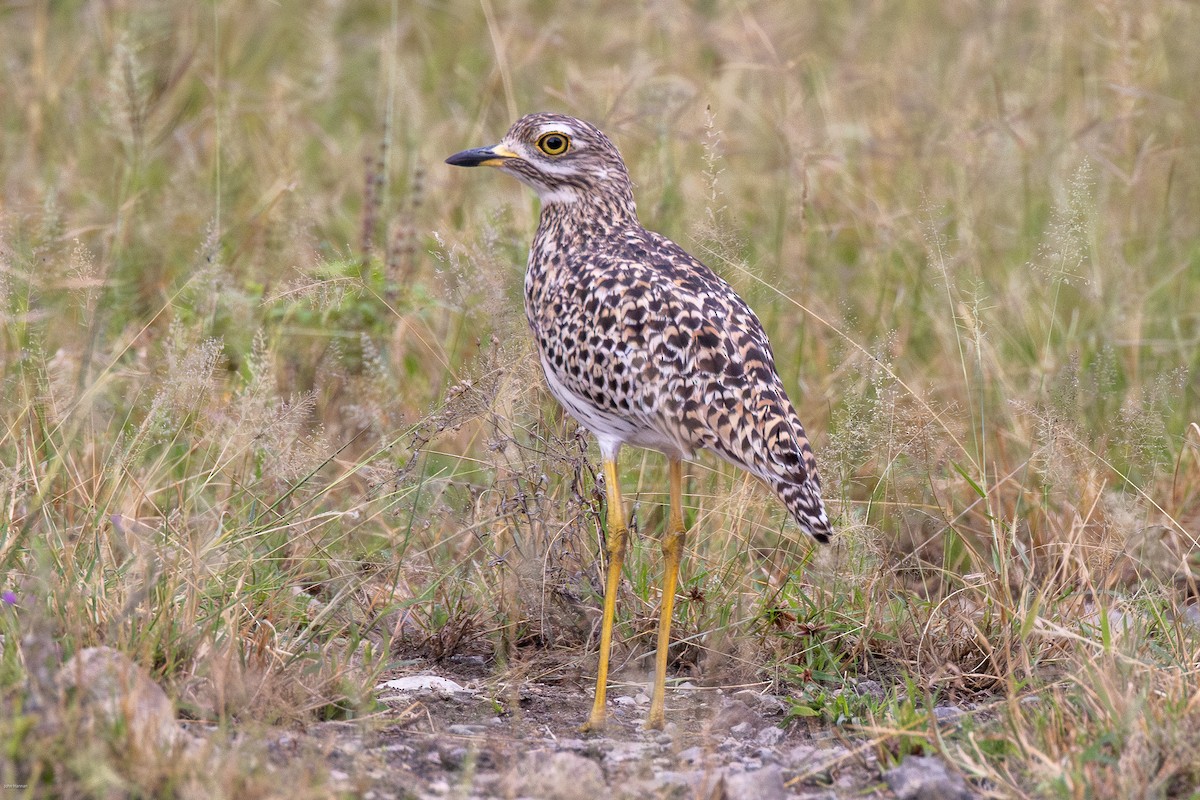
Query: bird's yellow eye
(553, 144)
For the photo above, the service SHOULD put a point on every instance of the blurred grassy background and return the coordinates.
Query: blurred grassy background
(271, 420)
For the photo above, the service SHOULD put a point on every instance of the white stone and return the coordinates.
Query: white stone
(422, 684)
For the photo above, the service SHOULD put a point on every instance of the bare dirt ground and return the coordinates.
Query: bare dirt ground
(517, 735)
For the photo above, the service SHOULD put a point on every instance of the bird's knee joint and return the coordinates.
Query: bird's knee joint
(616, 545)
(674, 541)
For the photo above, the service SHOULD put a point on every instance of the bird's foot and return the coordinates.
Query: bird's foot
(595, 723)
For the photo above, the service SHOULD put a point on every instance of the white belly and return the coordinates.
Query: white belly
(611, 429)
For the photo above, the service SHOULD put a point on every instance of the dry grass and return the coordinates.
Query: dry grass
(269, 412)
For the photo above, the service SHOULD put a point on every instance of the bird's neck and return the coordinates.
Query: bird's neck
(568, 228)
(576, 215)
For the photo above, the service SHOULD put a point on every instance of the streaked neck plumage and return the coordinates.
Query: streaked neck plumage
(601, 205)
(572, 217)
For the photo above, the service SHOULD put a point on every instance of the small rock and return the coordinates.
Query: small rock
(454, 758)
(947, 713)
(423, 684)
(573, 744)
(625, 700)
(734, 713)
(692, 755)
(871, 689)
(626, 751)
(561, 776)
(846, 781)
(668, 783)
(641, 698)
(770, 736)
(801, 756)
(1118, 621)
(466, 730)
(338, 775)
(926, 778)
(113, 690)
(742, 730)
(468, 661)
(759, 784)
(1191, 614)
(766, 755)
(668, 777)
(348, 747)
(765, 703)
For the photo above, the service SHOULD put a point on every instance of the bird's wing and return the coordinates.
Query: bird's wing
(721, 385)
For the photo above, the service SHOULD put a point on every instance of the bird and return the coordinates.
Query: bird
(643, 345)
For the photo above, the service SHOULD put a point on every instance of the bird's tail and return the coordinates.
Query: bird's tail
(803, 499)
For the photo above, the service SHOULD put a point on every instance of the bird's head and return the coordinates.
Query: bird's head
(565, 160)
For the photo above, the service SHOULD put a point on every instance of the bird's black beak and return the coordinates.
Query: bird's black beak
(482, 157)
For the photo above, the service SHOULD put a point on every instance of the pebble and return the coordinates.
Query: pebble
(742, 730)
(870, 688)
(1191, 614)
(626, 751)
(112, 690)
(670, 778)
(947, 713)
(422, 684)
(573, 744)
(560, 776)
(770, 736)
(801, 756)
(760, 784)
(468, 661)
(926, 778)
(348, 747)
(734, 713)
(454, 758)
(765, 703)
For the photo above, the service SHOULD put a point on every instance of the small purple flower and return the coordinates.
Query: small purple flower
(9, 597)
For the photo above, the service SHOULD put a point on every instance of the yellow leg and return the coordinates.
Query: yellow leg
(616, 556)
(672, 546)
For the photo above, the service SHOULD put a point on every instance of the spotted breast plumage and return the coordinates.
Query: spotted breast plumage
(644, 345)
